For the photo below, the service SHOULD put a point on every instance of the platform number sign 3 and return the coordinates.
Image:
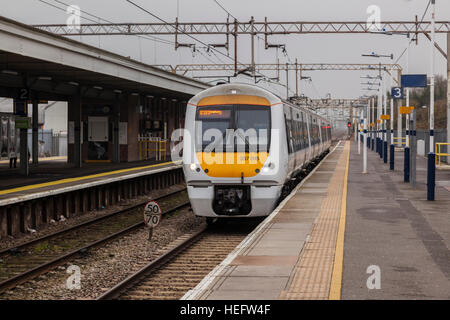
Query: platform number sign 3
(152, 214)
(397, 93)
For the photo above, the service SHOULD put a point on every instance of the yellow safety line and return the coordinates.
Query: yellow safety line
(68, 180)
(336, 276)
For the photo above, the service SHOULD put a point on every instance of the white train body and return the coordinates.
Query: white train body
(246, 181)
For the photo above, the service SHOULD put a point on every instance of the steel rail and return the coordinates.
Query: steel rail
(31, 273)
(130, 281)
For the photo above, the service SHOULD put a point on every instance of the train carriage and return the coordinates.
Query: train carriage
(242, 145)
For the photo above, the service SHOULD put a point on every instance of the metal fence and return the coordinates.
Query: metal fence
(50, 144)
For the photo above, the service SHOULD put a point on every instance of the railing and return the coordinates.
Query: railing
(440, 154)
(152, 148)
(399, 141)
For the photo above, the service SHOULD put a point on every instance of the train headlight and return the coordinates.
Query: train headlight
(268, 167)
(194, 167)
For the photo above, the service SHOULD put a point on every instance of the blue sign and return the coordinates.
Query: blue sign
(414, 81)
(397, 93)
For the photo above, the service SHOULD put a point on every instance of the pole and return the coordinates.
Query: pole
(296, 78)
(431, 156)
(34, 144)
(359, 131)
(253, 46)
(235, 46)
(385, 125)
(287, 81)
(413, 149)
(407, 99)
(391, 147)
(399, 115)
(369, 101)
(448, 94)
(380, 106)
(406, 163)
(365, 139)
(373, 120)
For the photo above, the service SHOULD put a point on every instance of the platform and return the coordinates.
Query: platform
(321, 240)
(56, 179)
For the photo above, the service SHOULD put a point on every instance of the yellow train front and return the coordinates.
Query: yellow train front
(241, 147)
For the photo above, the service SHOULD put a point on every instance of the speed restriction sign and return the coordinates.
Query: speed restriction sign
(152, 214)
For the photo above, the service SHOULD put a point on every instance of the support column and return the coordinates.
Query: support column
(129, 113)
(24, 167)
(116, 123)
(448, 94)
(75, 143)
(35, 145)
(399, 116)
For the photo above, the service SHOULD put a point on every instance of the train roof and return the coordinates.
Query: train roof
(248, 89)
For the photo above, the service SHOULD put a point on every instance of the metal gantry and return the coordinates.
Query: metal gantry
(184, 68)
(250, 27)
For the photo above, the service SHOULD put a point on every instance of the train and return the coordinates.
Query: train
(243, 145)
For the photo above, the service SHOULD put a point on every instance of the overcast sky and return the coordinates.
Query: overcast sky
(307, 48)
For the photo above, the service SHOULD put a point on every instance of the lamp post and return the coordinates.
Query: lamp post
(382, 104)
(431, 174)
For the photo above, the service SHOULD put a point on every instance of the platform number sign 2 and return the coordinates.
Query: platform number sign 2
(397, 93)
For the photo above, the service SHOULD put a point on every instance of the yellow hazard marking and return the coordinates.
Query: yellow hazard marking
(336, 276)
(378, 121)
(385, 117)
(69, 180)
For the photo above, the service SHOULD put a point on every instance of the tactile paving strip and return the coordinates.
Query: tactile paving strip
(312, 276)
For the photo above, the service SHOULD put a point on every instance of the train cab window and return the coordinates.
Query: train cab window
(252, 120)
(209, 120)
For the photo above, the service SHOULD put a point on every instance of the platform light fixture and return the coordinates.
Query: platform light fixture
(45, 78)
(98, 87)
(117, 91)
(11, 72)
(73, 83)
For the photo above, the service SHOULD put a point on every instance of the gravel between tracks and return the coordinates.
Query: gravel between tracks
(107, 265)
(80, 218)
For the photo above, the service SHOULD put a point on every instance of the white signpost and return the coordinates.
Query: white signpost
(152, 216)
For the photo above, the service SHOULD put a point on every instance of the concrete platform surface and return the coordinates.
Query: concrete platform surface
(266, 264)
(392, 227)
(92, 177)
(343, 234)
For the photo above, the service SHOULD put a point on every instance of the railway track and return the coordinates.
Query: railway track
(184, 266)
(35, 257)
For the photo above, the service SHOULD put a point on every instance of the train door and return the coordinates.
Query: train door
(304, 137)
(288, 122)
(308, 129)
(321, 137)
